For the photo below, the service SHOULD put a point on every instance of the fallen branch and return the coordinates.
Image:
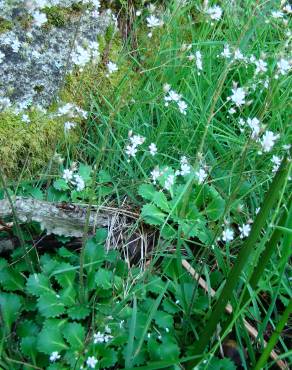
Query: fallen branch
(59, 218)
(252, 331)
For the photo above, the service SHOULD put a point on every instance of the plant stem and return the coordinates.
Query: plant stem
(274, 338)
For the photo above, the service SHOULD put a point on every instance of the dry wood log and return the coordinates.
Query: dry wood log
(59, 218)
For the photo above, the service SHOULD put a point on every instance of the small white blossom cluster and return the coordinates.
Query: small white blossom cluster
(268, 139)
(173, 96)
(91, 362)
(54, 356)
(198, 60)
(70, 110)
(153, 22)
(112, 68)
(73, 178)
(228, 233)
(101, 337)
(214, 13)
(167, 176)
(83, 54)
(136, 141)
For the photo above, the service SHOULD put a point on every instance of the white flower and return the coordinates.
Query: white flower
(98, 338)
(277, 14)
(238, 55)
(137, 140)
(102, 338)
(78, 182)
(183, 160)
(182, 106)
(215, 12)
(169, 182)
(283, 66)
(268, 140)
(68, 109)
(91, 362)
(166, 88)
(185, 169)
(286, 146)
(261, 66)
(153, 21)
(226, 53)
(199, 63)
(39, 18)
(254, 124)
(112, 67)
(232, 111)
(131, 150)
(238, 96)
(155, 173)
(201, 175)
(153, 149)
(107, 329)
(138, 13)
(2, 56)
(228, 235)
(68, 125)
(244, 230)
(54, 356)
(173, 96)
(288, 9)
(276, 161)
(80, 56)
(67, 175)
(25, 118)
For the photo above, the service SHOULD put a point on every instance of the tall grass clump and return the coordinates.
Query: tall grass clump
(187, 131)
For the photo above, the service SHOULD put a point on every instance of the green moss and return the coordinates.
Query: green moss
(5, 25)
(27, 147)
(56, 16)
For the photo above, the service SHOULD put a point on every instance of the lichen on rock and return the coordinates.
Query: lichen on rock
(42, 43)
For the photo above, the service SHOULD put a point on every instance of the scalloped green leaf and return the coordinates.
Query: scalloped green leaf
(147, 191)
(60, 185)
(109, 357)
(38, 284)
(10, 305)
(10, 279)
(152, 215)
(74, 333)
(50, 339)
(50, 305)
(78, 312)
(160, 200)
(65, 274)
(163, 319)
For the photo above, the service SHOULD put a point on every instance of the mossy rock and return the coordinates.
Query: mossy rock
(27, 147)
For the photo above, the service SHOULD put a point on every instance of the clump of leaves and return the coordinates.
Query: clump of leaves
(120, 324)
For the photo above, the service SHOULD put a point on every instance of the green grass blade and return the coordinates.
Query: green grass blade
(274, 338)
(242, 259)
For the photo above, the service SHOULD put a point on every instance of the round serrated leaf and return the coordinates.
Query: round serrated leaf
(74, 333)
(163, 319)
(147, 191)
(50, 340)
(38, 284)
(78, 312)
(152, 214)
(108, 358)
(10, 308)
(50, 305)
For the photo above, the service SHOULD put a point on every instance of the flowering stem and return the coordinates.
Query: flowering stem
(242, 259)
